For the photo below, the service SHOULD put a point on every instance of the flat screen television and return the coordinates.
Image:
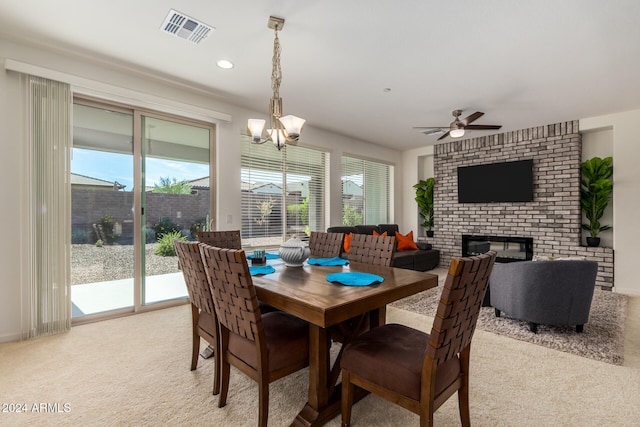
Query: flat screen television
(496, 182)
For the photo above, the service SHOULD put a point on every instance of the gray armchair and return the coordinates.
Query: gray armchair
(544, 292)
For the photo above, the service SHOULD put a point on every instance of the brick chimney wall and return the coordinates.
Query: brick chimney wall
(554, 217)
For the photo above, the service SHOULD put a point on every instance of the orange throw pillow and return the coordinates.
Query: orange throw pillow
(347, 242)
(406, 243)
(375, 233)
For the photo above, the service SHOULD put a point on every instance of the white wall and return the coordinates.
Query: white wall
(417, 165)
(118, 84)
(626, 199)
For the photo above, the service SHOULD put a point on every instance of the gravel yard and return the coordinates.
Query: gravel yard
(90, 263)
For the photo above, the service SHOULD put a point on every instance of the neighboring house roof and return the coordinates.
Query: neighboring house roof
(77, 179)
(350, 187)
(200, 183)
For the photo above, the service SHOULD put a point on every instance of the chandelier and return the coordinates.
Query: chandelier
(282, 130)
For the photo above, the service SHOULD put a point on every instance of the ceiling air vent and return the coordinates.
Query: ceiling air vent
(185, 27)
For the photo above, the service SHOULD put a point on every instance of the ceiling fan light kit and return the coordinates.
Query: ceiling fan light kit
(457, 127)
(282, 130)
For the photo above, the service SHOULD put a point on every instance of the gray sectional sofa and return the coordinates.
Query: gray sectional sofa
(423, 259)
(544, 292)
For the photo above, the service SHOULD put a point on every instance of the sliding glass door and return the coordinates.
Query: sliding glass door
(176, 199)
(139, 180)
(102, 226)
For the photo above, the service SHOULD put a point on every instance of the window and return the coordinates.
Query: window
(366, 191)
(283, 192)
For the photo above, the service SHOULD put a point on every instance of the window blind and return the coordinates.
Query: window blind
(366, 191)
(48, 129)
(283, 193)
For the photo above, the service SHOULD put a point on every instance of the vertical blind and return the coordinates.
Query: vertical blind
(366, 191)
(283, 192)
(48, 129)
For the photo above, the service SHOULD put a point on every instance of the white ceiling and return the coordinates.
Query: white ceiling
(523, 63)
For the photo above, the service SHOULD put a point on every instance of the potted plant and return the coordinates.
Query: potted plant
(424, 198)
(595, 192)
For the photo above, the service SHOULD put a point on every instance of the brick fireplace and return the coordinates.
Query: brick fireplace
(552, 220)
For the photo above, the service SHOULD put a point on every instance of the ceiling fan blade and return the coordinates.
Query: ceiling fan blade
(472, 118)
(444, 136)
(432, 131)
(482, 127)
(429, 127)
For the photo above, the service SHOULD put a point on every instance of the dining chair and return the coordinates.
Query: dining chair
(222, 239)
(230, 239)
(420, 371)
(370, 249)
(204, 322)
(325, 245)
(265, 347)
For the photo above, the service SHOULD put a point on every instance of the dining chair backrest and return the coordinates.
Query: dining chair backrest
(370, 249)
(419, 371)
(265, 347)
(204, 322)
(234, 295)
(221, 239)
(194, 275)
(325, 245)
(459, 306)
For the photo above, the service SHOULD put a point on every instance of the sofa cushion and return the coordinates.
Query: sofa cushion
(424, 246)
(366, 229)
(404, 259)
(389, 228)
(347, 243)
(345, 229)
(405, 242)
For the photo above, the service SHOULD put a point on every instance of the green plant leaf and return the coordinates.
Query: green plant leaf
(596, 188)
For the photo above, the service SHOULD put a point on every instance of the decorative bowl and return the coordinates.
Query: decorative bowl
(294, 252)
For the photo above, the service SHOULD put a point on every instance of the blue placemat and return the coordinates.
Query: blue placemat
(354, 278)
(267, 255)
(328, 261)
(256, 270)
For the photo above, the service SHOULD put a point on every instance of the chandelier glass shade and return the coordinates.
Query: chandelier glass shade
(282, 129)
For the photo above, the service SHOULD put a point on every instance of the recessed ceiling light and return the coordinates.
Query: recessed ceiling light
(224, 64)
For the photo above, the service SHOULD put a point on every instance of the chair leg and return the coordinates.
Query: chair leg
(533, 327)
(463, 391)
(216, 369)
(347, 398)
(497, 312)
(195, 347)
(579, 328)
(263, 398)
(224, 386)
(426, 417)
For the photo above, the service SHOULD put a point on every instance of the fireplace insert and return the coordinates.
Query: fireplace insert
(508, 248)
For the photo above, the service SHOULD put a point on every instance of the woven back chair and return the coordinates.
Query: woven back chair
(222, 239)
(421, 371)
(370, 249)
(204, 322)
(229, 239)
(265, 347)
(326, 245)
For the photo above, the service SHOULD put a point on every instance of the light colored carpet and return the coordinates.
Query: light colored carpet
(602, 339)
(135, 371)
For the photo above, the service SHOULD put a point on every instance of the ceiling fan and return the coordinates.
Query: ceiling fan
(457, 126)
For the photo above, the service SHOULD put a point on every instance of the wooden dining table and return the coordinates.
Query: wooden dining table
(305, 293)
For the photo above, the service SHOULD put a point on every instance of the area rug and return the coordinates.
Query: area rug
(602, 339)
